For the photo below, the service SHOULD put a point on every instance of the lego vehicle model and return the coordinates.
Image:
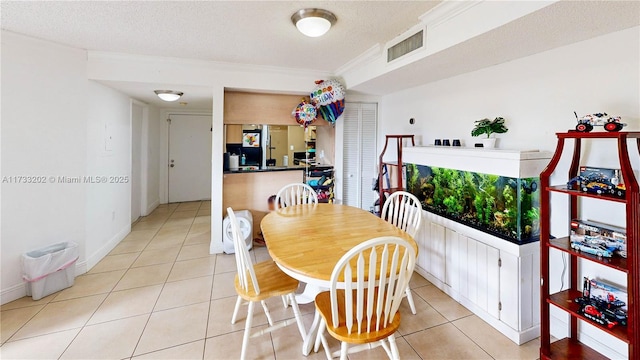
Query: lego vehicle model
(598, 187)
(598, 249)
(610, 123)
(606, 311)
(594, 232)
(599, 181)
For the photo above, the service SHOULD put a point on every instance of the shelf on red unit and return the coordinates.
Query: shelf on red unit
(392, 190)
(564, 244)
(391, 163)
(573, 349)
(563, 189)
(565, 301)
(599, 135)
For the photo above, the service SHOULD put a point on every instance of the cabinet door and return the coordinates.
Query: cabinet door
(422, 238)
(509, 290)
(493, 282)
(452, 266)
(463, 282)
(482, 286)
(437, 256)
(234, 134)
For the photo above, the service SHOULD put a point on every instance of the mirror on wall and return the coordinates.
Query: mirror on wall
(271, 145)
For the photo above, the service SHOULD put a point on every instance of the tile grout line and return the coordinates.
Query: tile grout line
(468, 337)
(164, 283)
(25, 323)
(105, 298)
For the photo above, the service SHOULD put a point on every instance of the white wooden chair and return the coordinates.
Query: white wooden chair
(403, 210)
(295, 194)
(374, 275)
(259, 282)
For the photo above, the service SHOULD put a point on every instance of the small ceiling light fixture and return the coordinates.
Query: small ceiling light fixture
(313, 22)
(168, 95)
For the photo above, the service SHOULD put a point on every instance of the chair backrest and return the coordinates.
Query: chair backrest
(243, 261)
(377, 273)
(403, 210)
(295, 194)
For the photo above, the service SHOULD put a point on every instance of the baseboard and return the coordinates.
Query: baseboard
(152, 207)
(19, 290)
(94, 258)
(14, 292)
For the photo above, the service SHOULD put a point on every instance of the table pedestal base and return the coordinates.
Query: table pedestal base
(309, 294)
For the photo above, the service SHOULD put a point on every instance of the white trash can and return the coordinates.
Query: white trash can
(50, 269)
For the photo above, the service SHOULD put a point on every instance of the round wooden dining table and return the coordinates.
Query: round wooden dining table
(306, 242)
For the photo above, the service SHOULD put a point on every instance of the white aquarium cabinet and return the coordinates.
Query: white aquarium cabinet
(494, 277)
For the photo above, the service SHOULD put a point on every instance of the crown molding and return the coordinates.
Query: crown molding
(445, 11)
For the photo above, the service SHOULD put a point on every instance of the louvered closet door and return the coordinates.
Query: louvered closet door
(359, 154)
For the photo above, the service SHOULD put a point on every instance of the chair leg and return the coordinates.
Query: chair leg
(266, 312)
(285, 301)
(297, 314)
(386, 348)
(235, 311)
(394, 347)
(412, 305)
(247, 331)
(344, 349)
(321, 329)
(325, 345)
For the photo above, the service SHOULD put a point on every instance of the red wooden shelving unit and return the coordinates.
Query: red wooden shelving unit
(384, 192)
(571, 348)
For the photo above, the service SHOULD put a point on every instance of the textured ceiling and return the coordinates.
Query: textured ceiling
(247, 32)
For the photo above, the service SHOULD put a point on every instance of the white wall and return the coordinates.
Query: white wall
(54, 125)
(537, 95)
(137, 125)
(108, 205)
(43, 134)
(153, 123)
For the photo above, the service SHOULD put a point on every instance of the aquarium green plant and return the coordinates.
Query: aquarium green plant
(506, 207)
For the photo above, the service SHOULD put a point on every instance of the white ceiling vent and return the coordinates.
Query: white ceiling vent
(413, 42)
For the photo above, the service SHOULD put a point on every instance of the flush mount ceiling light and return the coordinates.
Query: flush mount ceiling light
(168, 95)
(313, 22)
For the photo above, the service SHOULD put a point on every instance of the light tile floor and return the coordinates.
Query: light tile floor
(160, 295)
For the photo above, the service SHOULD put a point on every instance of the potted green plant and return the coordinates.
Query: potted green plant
(489, 127)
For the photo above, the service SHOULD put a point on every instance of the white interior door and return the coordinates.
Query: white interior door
(189, 158)
(136, 161)
(359, 154)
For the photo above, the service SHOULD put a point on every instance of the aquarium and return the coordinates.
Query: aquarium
(502, 206)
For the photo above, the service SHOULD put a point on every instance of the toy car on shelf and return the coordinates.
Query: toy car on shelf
(599, 181)
(598, 233)
(610, 123)
(597, 249)
(607, 311)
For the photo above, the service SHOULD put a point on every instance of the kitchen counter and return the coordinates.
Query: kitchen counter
(267, 169)
(251, 189)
